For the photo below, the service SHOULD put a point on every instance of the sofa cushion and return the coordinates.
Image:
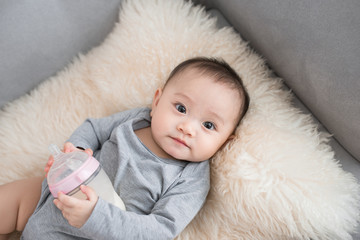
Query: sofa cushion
(348, 162)
(314, 47)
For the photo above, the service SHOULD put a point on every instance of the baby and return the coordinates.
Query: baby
(157, 160)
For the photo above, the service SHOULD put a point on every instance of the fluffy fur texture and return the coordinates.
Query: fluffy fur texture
(277, 180)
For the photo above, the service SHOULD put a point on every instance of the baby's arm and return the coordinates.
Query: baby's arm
(77, 211)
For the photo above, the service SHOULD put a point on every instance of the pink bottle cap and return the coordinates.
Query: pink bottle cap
(76, 178)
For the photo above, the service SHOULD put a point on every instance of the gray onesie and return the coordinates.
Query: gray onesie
(161, 196)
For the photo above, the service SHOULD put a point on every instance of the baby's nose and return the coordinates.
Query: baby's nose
(187, 128)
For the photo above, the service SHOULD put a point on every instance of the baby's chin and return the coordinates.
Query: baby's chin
(194, 159)
(181, 155)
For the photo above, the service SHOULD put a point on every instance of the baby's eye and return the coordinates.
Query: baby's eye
(180, 108)
(209, 125)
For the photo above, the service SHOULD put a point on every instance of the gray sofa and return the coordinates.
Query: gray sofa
(314, 48)
(312, 45)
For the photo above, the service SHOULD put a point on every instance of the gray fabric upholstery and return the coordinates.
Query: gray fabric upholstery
(314, 47)
(347, 161)
(40, 37)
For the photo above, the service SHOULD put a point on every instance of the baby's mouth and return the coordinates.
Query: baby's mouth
(180, 141)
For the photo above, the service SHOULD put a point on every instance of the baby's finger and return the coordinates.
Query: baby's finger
(68, 147)
(89, 151)
(47, 169)
(89, 192)
(67, 201)
(50, 162)
(58, 204)
(48, 165)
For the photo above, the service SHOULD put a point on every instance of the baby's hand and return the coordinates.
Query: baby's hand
(77, 211)
(48, 165)
(68, 147)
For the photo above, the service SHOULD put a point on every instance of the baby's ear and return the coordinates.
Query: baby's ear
(155, 101)
(231, 137)
(156, 98)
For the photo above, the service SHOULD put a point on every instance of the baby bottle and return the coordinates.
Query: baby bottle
(70, 170)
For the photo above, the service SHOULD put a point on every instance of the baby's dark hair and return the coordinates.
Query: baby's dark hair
(220, 71)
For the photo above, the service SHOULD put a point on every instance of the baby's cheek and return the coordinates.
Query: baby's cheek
(207, 148)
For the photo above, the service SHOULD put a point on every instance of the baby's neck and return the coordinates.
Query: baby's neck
(145, 136)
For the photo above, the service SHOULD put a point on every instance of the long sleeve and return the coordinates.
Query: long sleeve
(169, 216)
(94, 132)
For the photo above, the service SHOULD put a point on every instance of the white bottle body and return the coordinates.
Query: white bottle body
(103, 188)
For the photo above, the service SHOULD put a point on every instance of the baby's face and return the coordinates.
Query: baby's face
(193, 116)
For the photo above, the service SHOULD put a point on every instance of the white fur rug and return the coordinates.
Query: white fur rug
(277, 180)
